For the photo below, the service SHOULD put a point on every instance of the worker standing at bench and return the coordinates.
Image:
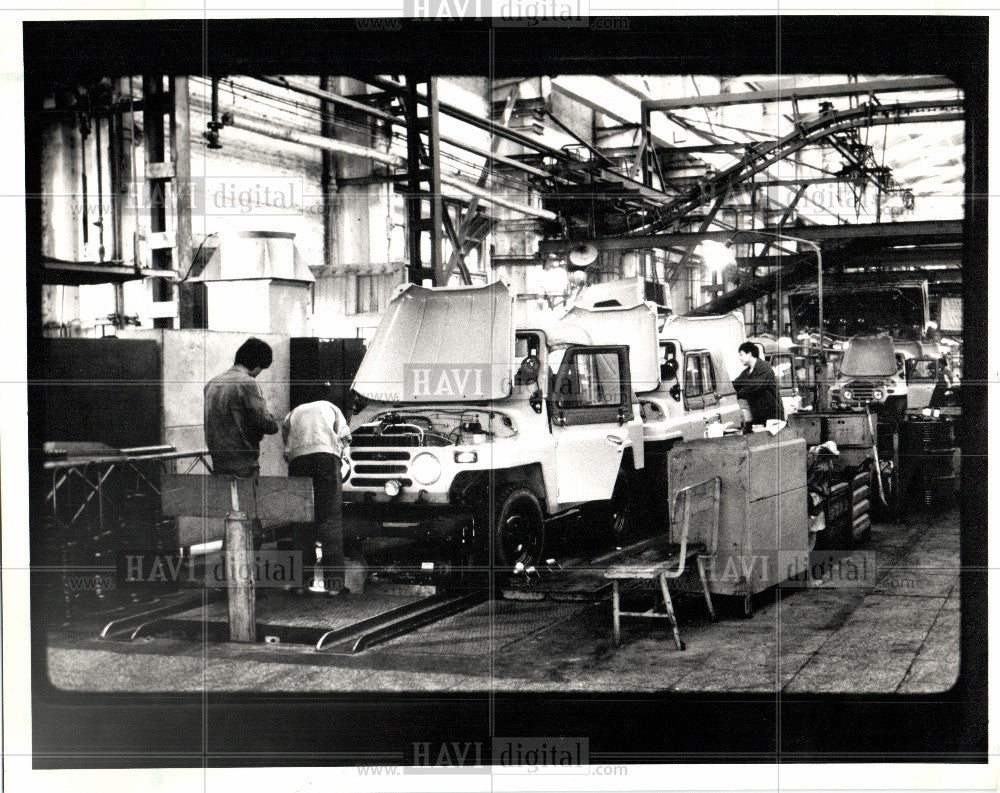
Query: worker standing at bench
(236, 414)
(315, 435)
(236, 419)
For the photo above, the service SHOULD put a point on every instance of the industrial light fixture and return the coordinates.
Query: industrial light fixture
(583, 255)
(717, 256)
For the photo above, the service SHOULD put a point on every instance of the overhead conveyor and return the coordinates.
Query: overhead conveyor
(761, 156)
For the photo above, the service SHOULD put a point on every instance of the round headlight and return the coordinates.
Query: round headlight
(876, 395)
(426, 468)
(345, 469)
(848, 395)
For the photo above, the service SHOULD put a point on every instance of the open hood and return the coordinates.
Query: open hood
(722, 332)
(634, 326)
(869, 356)
(441, 345)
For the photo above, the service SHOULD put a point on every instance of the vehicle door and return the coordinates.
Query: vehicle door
(591, 409)
(805, 376)
(720, 399)
(921, 377)
(710, 391)
(699, 396)
(784, 371)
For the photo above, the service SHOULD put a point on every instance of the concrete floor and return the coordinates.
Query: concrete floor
(898, 632)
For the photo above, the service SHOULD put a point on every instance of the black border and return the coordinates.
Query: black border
(110, 731)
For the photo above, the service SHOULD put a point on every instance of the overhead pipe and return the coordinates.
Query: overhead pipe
(485, 195)
(476, 121)
(342, 147)
(395, 121)
(315, 141)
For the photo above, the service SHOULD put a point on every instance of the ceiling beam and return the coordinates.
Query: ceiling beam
(807, 92)
(911, 232)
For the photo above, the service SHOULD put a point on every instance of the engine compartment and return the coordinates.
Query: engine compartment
(434, 427)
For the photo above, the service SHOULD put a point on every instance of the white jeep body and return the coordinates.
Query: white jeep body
(701, 393)
(453, 418)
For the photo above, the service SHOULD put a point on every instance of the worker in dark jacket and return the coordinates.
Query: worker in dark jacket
(236, 415)
(758, 385)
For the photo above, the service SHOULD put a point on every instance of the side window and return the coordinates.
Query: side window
(592, 380)
(592, 387)
(803, 376)
(900, 364)
(668, 354)
(711, 384)
(693, 379)
(607, 379)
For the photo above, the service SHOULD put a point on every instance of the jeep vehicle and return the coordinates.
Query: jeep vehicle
(467, 428)
(682, 371)
(871, 374)
(682, 367)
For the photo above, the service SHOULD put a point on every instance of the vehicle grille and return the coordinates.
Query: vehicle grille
(379, 456)
(864, 390)
(382, 470)
(373, 468)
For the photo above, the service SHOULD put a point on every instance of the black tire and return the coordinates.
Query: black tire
(622, 516)
(518, 528)
(890, 489)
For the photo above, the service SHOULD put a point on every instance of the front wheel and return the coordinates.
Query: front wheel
(518, 529)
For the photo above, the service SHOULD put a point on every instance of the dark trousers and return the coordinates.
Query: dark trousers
(324, 470)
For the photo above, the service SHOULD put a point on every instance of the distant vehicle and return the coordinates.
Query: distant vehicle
(871, 374)
(682, 367)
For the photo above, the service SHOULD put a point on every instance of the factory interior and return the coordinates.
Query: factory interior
(544, 281)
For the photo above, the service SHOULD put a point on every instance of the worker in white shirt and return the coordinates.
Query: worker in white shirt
(315, 434)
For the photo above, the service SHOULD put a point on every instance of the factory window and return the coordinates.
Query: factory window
(366, 293)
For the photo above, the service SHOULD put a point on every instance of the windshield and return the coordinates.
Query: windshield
(869, 356)
(922, 369)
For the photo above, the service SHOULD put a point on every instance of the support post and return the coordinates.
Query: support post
(180, 154)
(240, 572)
